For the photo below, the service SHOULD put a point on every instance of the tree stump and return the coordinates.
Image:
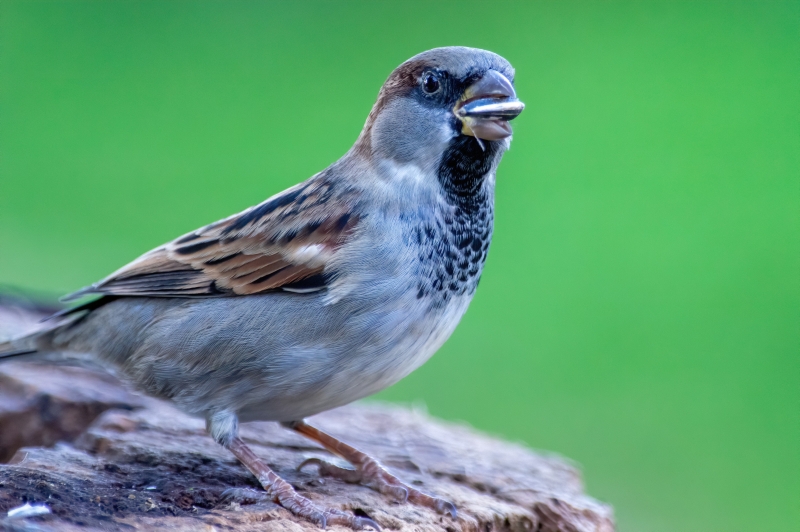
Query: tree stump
(100, 457)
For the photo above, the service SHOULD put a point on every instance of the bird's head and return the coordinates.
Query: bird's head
(442, 98)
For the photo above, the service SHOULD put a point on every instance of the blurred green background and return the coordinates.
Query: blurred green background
(640, 311)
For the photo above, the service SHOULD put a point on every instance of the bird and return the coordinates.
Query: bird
(325, 293)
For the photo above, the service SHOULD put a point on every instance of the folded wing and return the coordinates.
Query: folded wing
(284, 243)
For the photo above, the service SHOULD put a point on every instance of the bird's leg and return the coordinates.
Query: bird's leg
(368, 471)
(223, 426)
(284, 494)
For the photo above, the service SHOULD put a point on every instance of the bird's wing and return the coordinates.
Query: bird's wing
(283, 243)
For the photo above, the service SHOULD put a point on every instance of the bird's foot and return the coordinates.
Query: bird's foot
(372, 474)
(368, 471)
(281, 492)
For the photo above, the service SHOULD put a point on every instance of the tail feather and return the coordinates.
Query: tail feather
(32, 327)
(16, 353)
(21, 332)
(16, 347)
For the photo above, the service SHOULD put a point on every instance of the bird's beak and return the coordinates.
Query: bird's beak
(486, 107)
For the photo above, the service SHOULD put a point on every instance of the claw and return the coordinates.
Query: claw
(366, 521)
(309, 461)
(447, 507)
(354, 522)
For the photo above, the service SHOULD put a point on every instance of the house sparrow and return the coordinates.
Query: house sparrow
(325, 293)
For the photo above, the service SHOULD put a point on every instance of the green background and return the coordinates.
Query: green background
(640, 310)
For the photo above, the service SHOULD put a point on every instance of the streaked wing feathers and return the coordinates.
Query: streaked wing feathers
(283, 243)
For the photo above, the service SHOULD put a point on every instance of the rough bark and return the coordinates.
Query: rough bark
(103, 458)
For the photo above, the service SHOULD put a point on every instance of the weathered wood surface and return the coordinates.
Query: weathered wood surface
(135, 463)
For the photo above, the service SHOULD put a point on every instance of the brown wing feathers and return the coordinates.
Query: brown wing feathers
(282, 243)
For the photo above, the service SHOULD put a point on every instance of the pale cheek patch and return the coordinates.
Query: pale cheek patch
(402, 172)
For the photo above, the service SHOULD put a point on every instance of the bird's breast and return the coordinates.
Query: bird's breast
(451, 249)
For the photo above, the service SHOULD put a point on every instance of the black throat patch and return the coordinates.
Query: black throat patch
(453, 245)
(463, 168)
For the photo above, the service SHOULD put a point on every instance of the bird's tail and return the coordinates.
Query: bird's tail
(21, 329)
(28, 328)
(30, 344)
(9, 350)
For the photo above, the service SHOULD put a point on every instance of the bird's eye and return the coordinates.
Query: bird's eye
(430, 82)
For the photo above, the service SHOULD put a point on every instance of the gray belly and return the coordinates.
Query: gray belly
(273, 357)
